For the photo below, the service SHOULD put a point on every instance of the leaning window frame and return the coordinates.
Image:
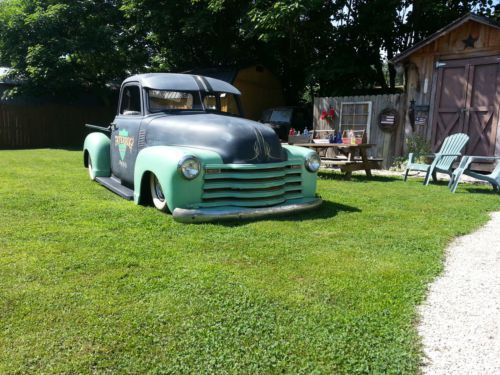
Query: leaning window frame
(369, 116)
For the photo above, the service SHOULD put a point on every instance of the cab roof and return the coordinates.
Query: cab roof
(182, 82)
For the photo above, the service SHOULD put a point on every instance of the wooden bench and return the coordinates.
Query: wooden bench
(348, 167)
(349, 157)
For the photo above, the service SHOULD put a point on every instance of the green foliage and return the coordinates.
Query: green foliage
(179, 36)
(61, 46)
(419, 146)
(91, 283)
(316, 47)
(429, 15)
(398, 163)
(296, 36)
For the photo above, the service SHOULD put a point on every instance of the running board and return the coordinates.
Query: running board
(113, 184)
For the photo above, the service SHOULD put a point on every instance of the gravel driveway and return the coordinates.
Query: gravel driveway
(460, 320)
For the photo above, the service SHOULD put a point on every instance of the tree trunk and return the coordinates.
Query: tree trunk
(392, 69)
(379, 68)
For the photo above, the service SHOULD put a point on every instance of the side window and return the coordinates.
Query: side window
(131, 101)
(228, 104)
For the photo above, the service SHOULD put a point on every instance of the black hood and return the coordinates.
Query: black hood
(235, 139)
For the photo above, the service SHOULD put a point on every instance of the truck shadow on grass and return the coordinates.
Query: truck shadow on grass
(338, 176)
(327, 210)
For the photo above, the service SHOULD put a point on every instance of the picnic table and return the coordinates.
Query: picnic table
(349, 157)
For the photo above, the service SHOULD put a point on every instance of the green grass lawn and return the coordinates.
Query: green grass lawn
(91, 283)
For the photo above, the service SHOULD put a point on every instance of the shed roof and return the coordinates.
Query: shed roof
(453, 25)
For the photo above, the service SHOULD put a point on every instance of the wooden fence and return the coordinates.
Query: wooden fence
(388, 144)
(24, 125)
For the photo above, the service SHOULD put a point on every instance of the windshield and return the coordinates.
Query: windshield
(163, 100)
(221, 102)
(166, 100)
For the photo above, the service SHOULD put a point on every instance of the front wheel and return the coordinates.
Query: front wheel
(157, 194)
(91, 171)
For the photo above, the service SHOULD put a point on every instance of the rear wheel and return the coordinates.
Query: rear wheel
(157, 194)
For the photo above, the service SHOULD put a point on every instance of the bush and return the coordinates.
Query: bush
(419, 146)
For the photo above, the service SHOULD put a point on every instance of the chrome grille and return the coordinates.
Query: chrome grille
(250, 185)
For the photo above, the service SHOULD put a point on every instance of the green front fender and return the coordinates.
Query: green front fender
(97, 148)
(300, 154)
(163, 161)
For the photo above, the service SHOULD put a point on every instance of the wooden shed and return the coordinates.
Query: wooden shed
(453, 85)
(260, 88)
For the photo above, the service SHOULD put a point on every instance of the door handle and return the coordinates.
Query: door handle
(113, 126)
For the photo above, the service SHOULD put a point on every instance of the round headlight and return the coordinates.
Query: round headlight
(189, 167)
(312, 162)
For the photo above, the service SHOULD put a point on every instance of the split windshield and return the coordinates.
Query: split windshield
(165, 100)
(221, 102)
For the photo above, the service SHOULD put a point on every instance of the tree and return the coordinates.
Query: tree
(369, 30)
(185, 35)
(63, 46)
(315, 46)
(297, 35)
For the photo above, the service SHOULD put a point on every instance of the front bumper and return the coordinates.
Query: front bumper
(202, 215)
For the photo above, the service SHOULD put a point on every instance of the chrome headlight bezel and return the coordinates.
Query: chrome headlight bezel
(312, 162)
(189, 167)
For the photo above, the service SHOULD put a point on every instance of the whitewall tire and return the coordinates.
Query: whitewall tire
(91, 171)
(157, 194)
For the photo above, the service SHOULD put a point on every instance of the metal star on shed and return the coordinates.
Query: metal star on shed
(469, 42)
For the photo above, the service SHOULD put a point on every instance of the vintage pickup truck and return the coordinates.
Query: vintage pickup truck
(179, 142)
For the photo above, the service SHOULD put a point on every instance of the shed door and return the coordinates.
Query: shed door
(467, 101)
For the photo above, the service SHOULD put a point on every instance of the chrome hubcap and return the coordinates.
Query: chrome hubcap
(158, 191)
